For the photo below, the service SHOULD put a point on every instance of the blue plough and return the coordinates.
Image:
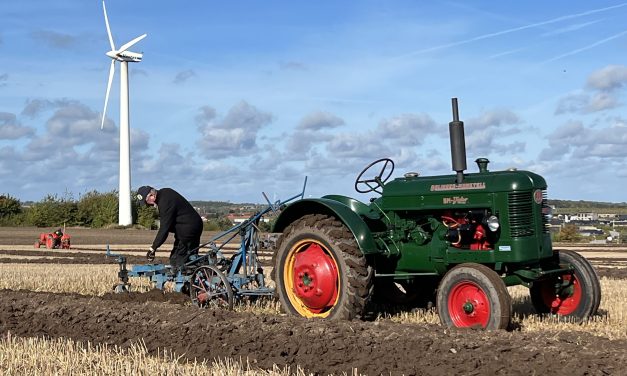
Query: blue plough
(211, 279)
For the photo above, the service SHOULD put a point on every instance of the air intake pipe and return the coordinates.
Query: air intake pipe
(458, 143)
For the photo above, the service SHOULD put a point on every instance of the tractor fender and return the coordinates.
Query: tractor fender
(337, 209)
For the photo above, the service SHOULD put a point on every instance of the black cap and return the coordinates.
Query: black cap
(142, 192)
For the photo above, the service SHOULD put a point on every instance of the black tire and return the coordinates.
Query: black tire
(473, 295)
(596, 284)
(320, 271)
(579, 300)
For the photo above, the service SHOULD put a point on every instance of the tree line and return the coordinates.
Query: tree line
(581, 206)
(93, 209)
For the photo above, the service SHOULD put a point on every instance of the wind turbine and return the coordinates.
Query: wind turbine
(124, 56)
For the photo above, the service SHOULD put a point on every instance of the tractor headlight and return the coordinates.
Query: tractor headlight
(493, 223)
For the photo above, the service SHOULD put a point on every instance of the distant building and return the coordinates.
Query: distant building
(606, 219)
(620, 222)
(608, 216)
(239, 218)
(585, 217)
(589, 230)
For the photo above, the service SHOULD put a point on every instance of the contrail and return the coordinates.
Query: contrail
(573, 52)
(508, 31)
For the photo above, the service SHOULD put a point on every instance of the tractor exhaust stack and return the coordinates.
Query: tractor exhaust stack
(458, 143)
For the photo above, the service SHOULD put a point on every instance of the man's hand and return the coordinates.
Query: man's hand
(151, 254)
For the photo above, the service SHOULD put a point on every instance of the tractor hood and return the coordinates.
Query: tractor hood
(412, 188)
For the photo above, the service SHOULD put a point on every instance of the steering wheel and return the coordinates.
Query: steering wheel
(377, 182)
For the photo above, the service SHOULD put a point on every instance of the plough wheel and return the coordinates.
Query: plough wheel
(473, 295)
(575, 295)
(209, 288)
(319, 270)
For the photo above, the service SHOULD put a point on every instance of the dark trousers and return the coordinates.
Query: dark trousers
(182, 250)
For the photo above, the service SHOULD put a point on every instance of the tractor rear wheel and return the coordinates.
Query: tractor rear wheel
(50, 243)
(209, 288)
(472, 295)
(320, 271)
(576, 295)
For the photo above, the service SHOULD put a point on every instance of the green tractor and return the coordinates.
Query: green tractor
(457, 240)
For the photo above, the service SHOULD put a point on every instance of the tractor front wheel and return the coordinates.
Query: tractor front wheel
(571, 295)
(473, 295)
(320, 271)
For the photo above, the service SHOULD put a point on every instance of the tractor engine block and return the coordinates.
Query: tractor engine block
(468, 229)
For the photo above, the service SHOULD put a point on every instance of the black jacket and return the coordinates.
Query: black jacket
(177, 216)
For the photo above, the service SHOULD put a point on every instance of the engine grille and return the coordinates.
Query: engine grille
(546, 213)
(520, 214)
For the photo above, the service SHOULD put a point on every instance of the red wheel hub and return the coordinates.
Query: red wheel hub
(315, 278)
(564, 302)
(202, 297)
(468, 305)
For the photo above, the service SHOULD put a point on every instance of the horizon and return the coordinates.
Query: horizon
(264, 203)
(234, 99)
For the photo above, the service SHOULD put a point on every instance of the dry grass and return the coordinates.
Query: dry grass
(99, 279)
(62, 278)
(36, 356)
(611, 321)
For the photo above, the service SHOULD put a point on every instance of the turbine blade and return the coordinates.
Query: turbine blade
(111, 73)
(104, 8)
(131, 43)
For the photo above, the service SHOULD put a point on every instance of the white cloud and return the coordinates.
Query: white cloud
(11, 129)
(183, 76)
(601, 92)
(601, 101)
(55, 39)
(234, 135)
(575, 142)
(488, 133)
(299, 143)
(611, 77)
(318, 120)
(34, 107)
(572, 103)
(293, 65)
(408, 129)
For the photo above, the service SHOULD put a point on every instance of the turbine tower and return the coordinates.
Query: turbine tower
(124, 56)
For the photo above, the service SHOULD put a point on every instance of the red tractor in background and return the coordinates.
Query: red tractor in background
(54, 240)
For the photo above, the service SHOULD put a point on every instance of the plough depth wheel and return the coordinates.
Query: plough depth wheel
(209, 288)
(576, 295)
(320, 271)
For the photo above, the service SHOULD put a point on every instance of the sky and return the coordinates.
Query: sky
(237, 98)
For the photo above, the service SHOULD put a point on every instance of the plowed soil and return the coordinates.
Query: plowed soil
(321, 347)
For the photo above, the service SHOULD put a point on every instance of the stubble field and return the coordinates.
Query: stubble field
(58, 314)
